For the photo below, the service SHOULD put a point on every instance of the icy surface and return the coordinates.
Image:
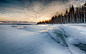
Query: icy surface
(43, 39)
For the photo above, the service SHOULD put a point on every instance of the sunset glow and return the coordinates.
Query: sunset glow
(33, 10)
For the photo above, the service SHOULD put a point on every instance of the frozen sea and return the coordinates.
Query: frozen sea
(43, 39)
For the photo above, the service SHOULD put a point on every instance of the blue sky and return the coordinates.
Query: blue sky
(33, 10)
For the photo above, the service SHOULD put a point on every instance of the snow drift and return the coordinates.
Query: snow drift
(42, 39)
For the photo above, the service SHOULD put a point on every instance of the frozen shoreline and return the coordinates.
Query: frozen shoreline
(34, 39)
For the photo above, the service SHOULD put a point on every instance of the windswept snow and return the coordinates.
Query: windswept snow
(43, 39)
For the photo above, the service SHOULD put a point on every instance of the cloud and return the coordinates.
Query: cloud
(30, 10)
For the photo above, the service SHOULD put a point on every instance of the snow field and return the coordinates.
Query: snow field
(42, 39)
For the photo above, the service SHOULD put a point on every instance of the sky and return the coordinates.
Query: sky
(34, 10)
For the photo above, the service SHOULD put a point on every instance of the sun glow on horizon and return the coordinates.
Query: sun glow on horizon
(33, 11)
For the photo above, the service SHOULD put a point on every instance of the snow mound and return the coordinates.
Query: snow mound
(68, 34)
(69, 37)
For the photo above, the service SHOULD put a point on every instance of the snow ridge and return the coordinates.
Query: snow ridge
(66, 36)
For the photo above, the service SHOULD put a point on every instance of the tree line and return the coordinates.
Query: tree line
(73, 15)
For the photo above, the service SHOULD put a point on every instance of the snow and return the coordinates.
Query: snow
(42, 39)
